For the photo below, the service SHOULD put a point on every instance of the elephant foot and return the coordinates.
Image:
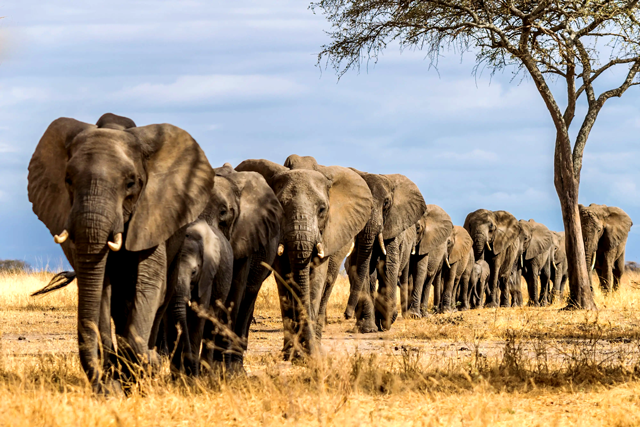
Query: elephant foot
(348, 313)
(366, 327)
(235, 368)
(533, 304)
(109, 388)
(413, 314)
(463, 308)
(491, 305)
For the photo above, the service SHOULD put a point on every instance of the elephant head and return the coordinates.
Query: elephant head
(537, 239)
(604, 227)
(494, 230)
(324, 208)
(245, 209)
(458, 246)
(102, 188)
(559, 252)
(432, 229)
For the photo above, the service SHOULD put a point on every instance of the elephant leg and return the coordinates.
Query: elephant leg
(364, 310)
(545, 279)
(618, 270)
(432, 282)
(504, 284)
(557, 277)
(404, 290)
(447, 291)
(437, 292)
(108, 354)
(606, 274)
(332, 275)
(420, 268)
(386, 310)
(463, 297)
(530, 277)
(493, 291)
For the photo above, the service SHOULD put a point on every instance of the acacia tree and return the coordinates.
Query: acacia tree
(551, 41)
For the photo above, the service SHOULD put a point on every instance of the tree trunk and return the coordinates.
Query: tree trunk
(567, 186)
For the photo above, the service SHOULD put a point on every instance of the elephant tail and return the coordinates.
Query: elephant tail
(58, 281)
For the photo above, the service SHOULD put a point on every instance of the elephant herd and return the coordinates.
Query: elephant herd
(174, 252)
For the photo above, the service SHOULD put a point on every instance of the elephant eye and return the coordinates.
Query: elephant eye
(130, 184)
(387, 203)
(67, 180)
(322, 210)
(194, 272)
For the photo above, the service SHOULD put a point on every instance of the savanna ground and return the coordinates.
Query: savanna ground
(524, 366)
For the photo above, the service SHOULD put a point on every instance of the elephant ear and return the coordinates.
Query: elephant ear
(47, 172)
(350, 204)
(407, 207)
(260, 214)
(266, 168)
(617, 225)
(113, 121)
(462, 244)
(178, 186)
(436, 227)
(301, 162)
(507, 229)
(541, 241)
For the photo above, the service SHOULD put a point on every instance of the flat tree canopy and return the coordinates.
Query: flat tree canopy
(573, 42)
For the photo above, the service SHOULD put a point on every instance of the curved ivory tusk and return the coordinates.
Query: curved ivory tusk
(62, 237)
(117, 245)
(353, 245)
(593, 262)
(381, 242)
(488, 245)
(320, 249)
(446, 259)
(521, 261)
(413, 251)
(280, 249)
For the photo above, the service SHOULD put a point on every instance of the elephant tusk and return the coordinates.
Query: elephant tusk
(593, 262)
(521, 261)
(320, 249)
(381, 242)
(488, 245)
(353, 245)
(280, 249)
(62, 237)
(117, 245)
(413, 251)
(446, 259)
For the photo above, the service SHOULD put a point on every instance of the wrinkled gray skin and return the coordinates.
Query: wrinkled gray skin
(605, 230)
(397, 206)
(521, 244)
(536, 261)
(204, 267)
(559, 265)
(96, 182)
(456, 271)
(432, 247)
(495, 235)
(324, 208)
(478, 282)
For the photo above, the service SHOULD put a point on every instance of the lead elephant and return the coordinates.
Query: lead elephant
(397, 205)
(605, 230)
(324, 208)
(500, 229)
(116, 197)
(433, 231)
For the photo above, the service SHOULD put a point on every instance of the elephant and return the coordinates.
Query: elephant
(535, 261)
(205, 270)
(397, 205)
(478, 282)
(457, 270)
(324, 208)
(605, 230)
(432, 238)
(247, 212)
(559, 265)
(500, 229)
(117, 198)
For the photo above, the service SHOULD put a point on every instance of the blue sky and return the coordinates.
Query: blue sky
(241, 77)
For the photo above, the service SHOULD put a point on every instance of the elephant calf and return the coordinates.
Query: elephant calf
(478, 282)
(204, 274)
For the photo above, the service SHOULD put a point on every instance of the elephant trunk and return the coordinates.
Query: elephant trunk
(300, 241)
(359, 281)
(479, 243)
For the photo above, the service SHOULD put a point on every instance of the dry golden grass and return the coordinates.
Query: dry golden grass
(526, 366)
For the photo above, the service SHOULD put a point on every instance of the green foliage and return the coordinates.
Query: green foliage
(13, 266)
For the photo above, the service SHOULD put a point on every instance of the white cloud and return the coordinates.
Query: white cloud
(473, 155)
(216, 88)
